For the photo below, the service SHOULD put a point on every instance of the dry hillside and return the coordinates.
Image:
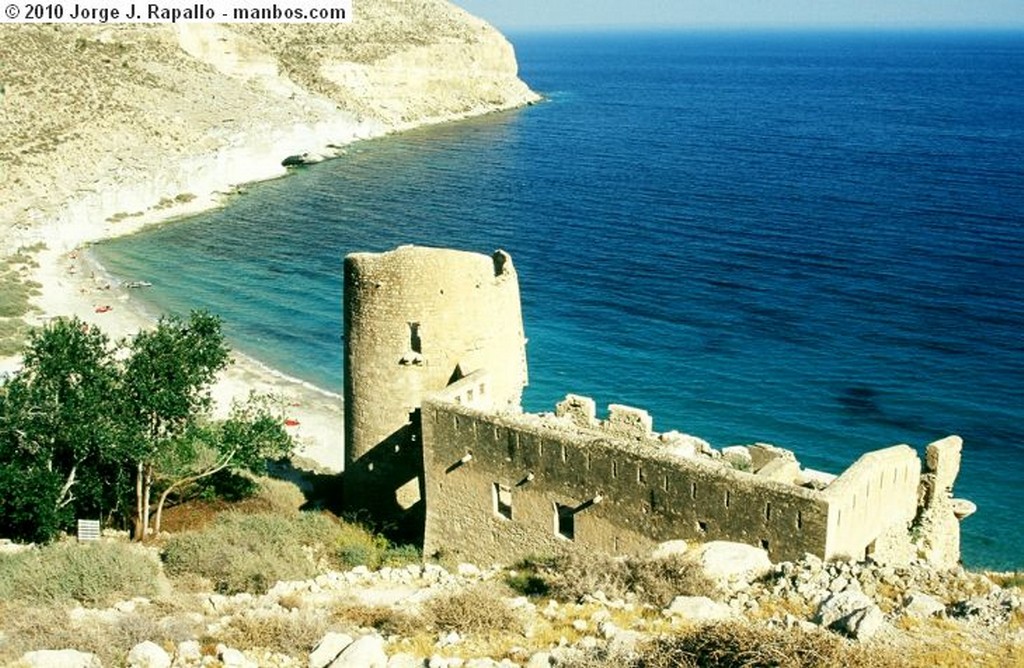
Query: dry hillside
(88, 110)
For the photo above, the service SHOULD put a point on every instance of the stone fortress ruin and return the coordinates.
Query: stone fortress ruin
(435, 366)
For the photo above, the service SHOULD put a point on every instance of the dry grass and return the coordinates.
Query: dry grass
(294, 634)
(652, 581)
(480, 609)
(27, 628)
(739, 645)
(96, 574)
(948, 653)
(388, 621)
(1014, 580)
(480, 615)
(780, 607)
(249, 553)
(16, 292)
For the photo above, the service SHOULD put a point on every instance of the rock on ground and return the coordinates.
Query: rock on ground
(851, 613)
(60, 658)
(366, 652)
(725, 561)
(698, 609)
(148, 655)
(328, 649)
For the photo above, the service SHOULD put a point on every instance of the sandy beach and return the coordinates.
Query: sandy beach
(230, 108)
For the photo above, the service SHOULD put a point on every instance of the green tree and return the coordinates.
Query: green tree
(58, 429)
(86, 428)
(165, 391)
(251, 435)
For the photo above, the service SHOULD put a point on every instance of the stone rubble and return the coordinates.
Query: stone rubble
(857, 600)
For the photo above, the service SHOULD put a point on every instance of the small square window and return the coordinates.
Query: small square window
(565, 521)
(503, 500)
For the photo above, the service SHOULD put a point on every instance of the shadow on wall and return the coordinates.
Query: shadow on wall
(387, 485)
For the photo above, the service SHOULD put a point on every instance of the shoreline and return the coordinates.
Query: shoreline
(74, 284)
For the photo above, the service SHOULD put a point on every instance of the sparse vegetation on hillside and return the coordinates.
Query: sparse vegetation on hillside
(482, 610)
(653, 581)
(742, 645)
(250, 552)
(95, 574)
(16, 291)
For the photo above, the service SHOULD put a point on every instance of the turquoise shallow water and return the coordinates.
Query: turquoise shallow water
(811, 240)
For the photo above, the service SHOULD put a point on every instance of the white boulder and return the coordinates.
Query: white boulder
(148, 655)
(366, 652)
(60, 658)
(727, 562)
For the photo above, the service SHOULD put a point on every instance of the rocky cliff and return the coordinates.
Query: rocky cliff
(101, 122)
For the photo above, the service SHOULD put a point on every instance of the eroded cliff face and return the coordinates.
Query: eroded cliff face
(109, 121)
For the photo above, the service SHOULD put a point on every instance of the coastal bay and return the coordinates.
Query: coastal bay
(745, 243)
(105, 130)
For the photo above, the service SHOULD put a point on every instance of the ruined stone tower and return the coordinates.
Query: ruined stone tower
(416, 320)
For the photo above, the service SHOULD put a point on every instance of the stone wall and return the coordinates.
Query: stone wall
(435, 366)
(879, 491)
(417, 319)
(500, 487)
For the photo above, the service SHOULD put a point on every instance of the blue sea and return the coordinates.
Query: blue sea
(813, 240)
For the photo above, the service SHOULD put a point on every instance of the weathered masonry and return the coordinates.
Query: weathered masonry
(436, 360)
(416, 320)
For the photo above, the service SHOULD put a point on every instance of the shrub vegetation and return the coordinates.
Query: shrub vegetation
(94, 574)
(740, 645)
(250, 552)
(653, 581)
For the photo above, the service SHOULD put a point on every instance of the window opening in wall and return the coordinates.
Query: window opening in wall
(615, 469)
(565, 455)
(799, 520)
(415, 344)
(588, 461)
(702, 526)
(664, 482)
(693, 490)
(615, 543)
(565, 521)
(728, 496)
(503, 500)
(469, 394)
(639, 474)
(764, 544)
(483, 389)
(408, 495)
(767, 511)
